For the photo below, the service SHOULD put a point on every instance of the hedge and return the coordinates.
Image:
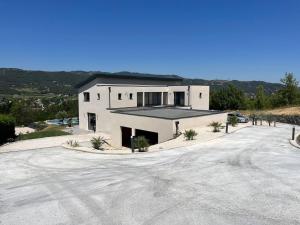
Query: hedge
(291, 119)
(7, 128)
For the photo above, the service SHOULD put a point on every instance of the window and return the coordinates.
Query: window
(86, 96)
(98, 96)
(200, 95)
(130, 96)
(120, 96)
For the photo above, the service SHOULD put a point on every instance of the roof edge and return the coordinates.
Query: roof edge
(130, 76)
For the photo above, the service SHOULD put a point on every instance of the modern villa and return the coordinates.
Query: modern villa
(157, 107)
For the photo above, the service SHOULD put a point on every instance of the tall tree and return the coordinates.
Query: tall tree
(260, 97)
(229, 97)
(290, 91)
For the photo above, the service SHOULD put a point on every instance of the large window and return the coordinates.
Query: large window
(152, 98)
(179, 98)
(86, 96)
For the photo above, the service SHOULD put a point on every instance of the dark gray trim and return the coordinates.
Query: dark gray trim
(143, 77)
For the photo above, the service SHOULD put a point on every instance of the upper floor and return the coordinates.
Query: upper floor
(111, 91)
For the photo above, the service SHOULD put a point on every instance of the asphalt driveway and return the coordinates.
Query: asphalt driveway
(250, 177)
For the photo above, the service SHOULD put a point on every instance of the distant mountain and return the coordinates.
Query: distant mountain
(249, 87)
(27, 82)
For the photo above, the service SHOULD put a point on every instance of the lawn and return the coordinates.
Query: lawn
(47, 132)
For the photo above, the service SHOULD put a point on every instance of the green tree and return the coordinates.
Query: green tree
(61, 115)
(23, 113)
(290, 92)
(260, 98)
(229, 97)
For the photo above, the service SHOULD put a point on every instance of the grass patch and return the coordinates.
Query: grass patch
(51, 131)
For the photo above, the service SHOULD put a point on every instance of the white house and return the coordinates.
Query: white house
(152, 106)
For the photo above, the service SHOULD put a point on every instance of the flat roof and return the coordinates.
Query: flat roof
(165, 112)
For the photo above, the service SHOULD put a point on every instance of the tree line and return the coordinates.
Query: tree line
(233, 98)
(32, 109)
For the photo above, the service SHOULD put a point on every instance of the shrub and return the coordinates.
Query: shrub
(269, 118)
(7, 128)
(141, 143)
(98, 142)
(253, 117)
(38, 126)
(190, 134)
(233, 120)
(73, 143)
(216, 126)
(70, 122)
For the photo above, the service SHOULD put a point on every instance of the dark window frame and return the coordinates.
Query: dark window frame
(86, 96)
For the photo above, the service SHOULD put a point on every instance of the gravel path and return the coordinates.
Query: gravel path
(250, 177)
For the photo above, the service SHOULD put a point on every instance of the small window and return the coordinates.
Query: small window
(130, 96)
(120, 96)
(200, 95)
(98, 96)
(86, 96)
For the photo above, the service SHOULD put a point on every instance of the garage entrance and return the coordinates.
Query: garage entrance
(126, 135)
(152, 137)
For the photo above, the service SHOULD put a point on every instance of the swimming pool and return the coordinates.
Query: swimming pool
(75, 121)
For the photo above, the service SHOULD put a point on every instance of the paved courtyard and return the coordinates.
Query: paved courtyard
(251, 176)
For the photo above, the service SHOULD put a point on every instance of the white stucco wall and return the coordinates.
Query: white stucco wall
(197, 101)
(201, 121)
(110, 123)
(161, 126)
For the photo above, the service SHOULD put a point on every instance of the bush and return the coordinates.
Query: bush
(98, 142)
(38, 126)
(141, 143)
(7, 129)
(70, 122)
(233, 120)
(216, 126)
(269, 118)
(190, 134)
(73, 143)
(61, 115)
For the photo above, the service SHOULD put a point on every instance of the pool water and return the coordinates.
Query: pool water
(75, 121)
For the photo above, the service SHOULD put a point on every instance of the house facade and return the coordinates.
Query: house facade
(132, 105)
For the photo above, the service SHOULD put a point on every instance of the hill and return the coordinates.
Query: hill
(27, 82)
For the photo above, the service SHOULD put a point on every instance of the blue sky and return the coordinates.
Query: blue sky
(213, 39)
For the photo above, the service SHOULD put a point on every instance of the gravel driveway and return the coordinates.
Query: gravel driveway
(250, 177)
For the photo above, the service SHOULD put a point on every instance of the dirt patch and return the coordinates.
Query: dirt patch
(288, 111)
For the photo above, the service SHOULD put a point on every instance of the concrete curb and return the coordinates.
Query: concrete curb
(294, 142)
